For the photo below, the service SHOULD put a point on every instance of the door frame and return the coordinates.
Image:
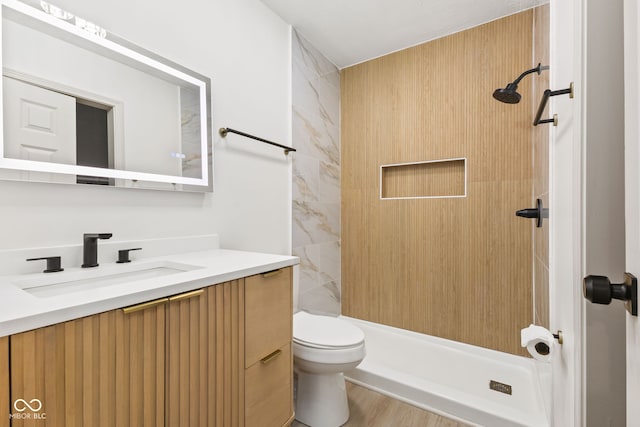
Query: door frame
(566, 188)
(632, 196)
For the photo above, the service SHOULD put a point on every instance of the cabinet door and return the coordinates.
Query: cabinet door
(5, 404)
(189, 332)
(205, 351)
(103, 370)
(269, 313)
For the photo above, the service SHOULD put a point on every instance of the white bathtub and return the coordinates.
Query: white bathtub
(452, 379)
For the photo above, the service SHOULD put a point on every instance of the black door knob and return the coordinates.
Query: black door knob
(600, 290)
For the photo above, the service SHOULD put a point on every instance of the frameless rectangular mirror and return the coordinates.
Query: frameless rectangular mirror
(81, 105)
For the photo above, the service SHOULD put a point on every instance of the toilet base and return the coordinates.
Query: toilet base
(321, 400)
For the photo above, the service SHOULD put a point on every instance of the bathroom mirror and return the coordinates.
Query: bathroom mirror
(81, 105)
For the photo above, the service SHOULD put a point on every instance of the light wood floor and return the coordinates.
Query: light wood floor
(371, 409)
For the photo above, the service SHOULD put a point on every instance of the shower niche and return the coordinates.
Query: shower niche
(427, 179)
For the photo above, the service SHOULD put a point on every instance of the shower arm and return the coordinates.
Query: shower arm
(538, 70)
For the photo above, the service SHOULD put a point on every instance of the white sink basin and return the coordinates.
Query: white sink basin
(55, 284)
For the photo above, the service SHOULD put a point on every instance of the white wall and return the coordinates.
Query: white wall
(605, 373)
(245, 49)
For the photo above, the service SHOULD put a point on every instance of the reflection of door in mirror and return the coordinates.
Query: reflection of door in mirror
(93, 140)
(47, 126)
(40, 125)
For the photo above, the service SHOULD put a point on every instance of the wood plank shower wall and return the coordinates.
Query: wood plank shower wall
(457, 268)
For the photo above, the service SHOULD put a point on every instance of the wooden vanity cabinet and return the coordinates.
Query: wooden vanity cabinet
(219, 356)
(268, 351)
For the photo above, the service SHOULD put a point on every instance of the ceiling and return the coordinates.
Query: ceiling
(351, 31)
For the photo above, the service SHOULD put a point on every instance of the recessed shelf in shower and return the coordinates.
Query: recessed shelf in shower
(445, 178)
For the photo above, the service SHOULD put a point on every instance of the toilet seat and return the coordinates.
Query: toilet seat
(325, 347)
(332, 356)
(325, 332)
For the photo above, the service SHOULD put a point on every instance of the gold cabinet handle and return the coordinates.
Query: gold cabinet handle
(268, 358)
(186, 295)
(144, 305)
(271, 273)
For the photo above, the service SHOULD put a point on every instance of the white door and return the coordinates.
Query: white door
(632, 195)
(39, 125)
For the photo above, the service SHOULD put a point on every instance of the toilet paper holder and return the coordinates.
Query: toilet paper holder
(543, 349)
(539, 341)
(558, 337)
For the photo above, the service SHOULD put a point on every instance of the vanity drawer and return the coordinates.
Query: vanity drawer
(268, 390)
(268, 313)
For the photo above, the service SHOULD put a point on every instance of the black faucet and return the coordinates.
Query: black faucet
(90, 248)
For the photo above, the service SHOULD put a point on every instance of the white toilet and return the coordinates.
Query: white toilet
(323, 348)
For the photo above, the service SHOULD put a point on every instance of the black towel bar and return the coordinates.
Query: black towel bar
(224, 131)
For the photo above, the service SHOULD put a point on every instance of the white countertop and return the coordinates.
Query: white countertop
(20, 311)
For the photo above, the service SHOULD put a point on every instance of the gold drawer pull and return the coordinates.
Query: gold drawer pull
(268, 358)
(271, 273)
(144, 305)
(187, 295)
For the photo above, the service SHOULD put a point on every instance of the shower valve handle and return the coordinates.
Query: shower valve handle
(538, 213)
(528, 213)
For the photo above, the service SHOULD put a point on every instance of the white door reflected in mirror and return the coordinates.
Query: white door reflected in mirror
(39, 125)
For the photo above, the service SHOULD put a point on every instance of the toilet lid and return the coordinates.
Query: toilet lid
(325, 331)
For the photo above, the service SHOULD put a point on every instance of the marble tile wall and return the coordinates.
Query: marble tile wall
(316, 177)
